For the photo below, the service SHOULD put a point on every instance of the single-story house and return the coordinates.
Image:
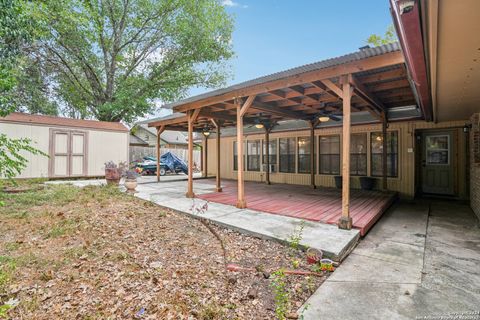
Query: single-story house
(403, 115)
(143, 135)
(75, 148)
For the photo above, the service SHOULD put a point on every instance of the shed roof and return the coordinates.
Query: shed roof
(24, 118)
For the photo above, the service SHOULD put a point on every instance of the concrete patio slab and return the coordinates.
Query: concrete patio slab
(335, 243)
(420, 260)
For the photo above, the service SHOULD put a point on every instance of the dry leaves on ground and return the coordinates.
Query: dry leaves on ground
(96, 253)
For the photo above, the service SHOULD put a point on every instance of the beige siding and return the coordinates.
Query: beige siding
(37, 166)
(102, 146)
(404, 183)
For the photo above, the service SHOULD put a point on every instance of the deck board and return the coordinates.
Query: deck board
(323, 204)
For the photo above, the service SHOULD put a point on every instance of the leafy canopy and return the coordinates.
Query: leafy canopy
(378, 40)
(15, 32)
(113, 59)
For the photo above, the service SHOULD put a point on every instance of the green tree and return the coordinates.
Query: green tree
(15, 32)
(389, 37)
(113, 59)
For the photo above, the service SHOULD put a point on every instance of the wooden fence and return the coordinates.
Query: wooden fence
(138, 152)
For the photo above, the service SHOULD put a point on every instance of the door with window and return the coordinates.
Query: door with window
(438, 162)
(68, 153)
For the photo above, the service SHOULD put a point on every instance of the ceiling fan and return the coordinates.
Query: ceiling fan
(325, 115)
(260, 122)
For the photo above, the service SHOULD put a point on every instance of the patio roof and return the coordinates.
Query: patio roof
(379, 77)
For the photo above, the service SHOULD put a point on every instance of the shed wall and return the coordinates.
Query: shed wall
(102, 146)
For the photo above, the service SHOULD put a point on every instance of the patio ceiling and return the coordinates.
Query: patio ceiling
(379, 78)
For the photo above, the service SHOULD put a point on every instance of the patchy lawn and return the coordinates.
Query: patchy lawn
(97, 253)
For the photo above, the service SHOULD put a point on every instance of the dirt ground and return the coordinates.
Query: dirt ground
(97, 253)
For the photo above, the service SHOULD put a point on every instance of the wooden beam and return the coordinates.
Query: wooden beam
(375, 62)
(159, 132)
(267, 153)
(192, 115)
(382, 76)
(205, 157)
(333, 87)
(217, 125)
(168, 121)
(241, 201)
(313, 124)
(274, 110)
(363, 93)
(345, 221)
(246, 105)
(384, 151)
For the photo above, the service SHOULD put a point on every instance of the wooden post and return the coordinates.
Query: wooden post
(313, 124)
(384, 151)
(159, 132)
(192, 116)
(345, 222)
(241, 110)
(267, 153)
(217, 125)
(205, 158)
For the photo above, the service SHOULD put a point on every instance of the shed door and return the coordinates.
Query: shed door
(77, 167)
(437, 163)
(60, 156)
(68, 153)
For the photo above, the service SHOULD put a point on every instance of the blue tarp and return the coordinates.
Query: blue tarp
(173, 162)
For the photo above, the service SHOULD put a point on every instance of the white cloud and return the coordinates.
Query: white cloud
(231, 3)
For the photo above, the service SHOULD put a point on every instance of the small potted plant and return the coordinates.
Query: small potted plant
(313, 255)
(131, 180)
(367, 183)
(338, 182)
(114, 172)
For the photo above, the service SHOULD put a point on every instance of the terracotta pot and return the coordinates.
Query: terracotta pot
(313, 256)
(130, 184)
(112, 176)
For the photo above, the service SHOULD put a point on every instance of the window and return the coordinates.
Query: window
(438, 150)
(330, 155)
(287, 155)
(392, 154)
(304, 155)
(235, 159)
(358, 154)
(272, 150)
(253, 155)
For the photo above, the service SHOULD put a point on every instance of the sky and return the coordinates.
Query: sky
(275, 35)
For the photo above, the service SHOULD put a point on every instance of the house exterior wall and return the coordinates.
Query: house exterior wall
(103, 145)
(404, 184)
(475, 164)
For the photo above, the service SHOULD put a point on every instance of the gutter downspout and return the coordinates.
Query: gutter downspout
(406, 17)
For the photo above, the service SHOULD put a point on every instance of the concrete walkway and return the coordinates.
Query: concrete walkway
(422, 259)
(335, 243)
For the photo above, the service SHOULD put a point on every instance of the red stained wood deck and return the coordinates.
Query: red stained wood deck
(322, 204)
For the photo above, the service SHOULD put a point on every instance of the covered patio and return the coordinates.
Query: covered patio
(371, 82)
(321, 204)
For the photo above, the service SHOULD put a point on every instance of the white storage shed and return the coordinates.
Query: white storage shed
(76, 148)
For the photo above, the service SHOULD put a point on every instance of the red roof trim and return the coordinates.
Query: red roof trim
(409, 31)
(64, 122)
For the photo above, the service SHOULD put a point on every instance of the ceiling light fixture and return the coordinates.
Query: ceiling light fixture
(323, 119)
